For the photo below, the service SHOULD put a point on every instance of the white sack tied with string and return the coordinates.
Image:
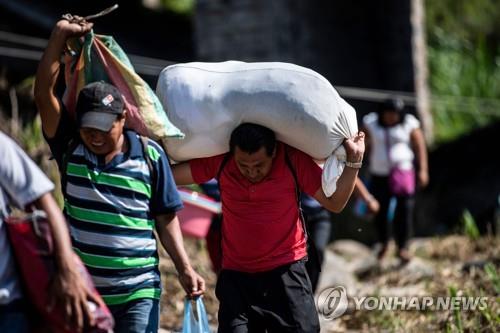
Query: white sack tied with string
(207, 101)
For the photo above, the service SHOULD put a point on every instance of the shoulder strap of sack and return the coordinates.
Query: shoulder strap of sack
(145, 145)
(73, 143)
(217, 178)
(312, 251)
(297, 191)
(149, 162)
(221, 168)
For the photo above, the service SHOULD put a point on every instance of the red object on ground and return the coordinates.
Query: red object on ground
(196, 217)
(33, 249)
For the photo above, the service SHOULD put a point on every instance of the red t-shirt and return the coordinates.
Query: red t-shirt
(261, 227)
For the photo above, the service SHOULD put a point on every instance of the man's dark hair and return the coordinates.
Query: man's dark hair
(251, 137)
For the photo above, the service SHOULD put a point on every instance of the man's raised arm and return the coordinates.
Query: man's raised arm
(48, 70)
(355, 149)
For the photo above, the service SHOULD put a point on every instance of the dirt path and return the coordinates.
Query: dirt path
(439, 267)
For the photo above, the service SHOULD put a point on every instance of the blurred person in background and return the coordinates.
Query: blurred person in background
(397, 166)
(23, 185)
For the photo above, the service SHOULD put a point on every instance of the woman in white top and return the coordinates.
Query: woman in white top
(397, 164)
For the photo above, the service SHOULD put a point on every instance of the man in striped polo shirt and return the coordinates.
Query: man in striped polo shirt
(115, 195)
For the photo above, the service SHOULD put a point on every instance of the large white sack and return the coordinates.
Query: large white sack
(207, 101)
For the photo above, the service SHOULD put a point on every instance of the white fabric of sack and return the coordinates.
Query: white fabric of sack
(207, 101)
(333, 168)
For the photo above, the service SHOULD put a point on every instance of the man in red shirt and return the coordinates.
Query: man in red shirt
(263, 284)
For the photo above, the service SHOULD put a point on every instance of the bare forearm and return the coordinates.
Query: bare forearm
(182, 174)
(345, 187)
(59, 230)
(422, 157)
(170, 236)
(46, 78)
(355, 148)
(48, 70)
(420, 149)
(361, 191)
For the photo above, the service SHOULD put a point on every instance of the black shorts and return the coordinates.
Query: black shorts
(279, 300)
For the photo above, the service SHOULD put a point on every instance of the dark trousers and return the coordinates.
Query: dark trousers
(14, 317)
(279, 300)
(403, 216)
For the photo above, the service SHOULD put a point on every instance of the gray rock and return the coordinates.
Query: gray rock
(335, 272)
(399, 291)
(362, 266)
(331, 325)
(420, 246)
(360, 258)
(416, 270)
(351, 249)
(404, 291)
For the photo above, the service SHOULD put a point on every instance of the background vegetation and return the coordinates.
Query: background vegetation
(464, 64)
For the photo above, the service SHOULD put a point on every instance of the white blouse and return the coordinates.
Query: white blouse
(400, 153)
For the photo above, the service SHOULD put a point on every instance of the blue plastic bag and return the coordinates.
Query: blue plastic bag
(191, 324)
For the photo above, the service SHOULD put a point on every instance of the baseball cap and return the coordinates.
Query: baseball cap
(99, 104)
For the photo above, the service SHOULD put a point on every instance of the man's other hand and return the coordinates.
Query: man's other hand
(355, 148)
(193, 284)
(71, 294)
(73, 29)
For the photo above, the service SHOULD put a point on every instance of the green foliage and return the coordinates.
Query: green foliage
(463, 19)
(485, 319)
(27, 83)
(469, 225)
(491, 272)
(491, 318)
(31, 136)
(464, 64)
(457, 317)
(194, 187)
(183, 7)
